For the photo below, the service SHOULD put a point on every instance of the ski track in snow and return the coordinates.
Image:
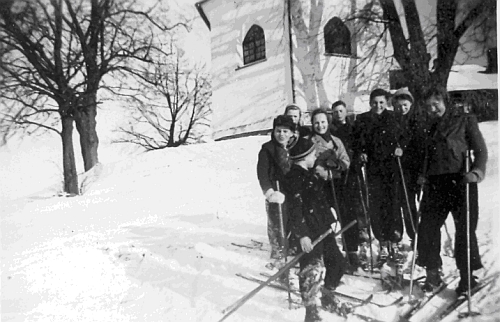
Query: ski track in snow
(151, 241)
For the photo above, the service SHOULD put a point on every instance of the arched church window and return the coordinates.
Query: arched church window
(337, 37)
(254, 45)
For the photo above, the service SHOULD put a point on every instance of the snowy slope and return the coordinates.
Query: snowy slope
(151, 240)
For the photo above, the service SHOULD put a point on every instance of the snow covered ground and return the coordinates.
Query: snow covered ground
(151, 240)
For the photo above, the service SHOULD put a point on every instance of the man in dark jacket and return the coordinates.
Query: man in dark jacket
(348, 190)
(376, 141)
(310, 216)
(452, 134)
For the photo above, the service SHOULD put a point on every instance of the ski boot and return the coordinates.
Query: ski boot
(363, 256)
(463, 286)
(312, 314)
(383, 254)
(397, 254)
(433, 280)
(363, 236)
(353, 262)
(392, 270)
(332, 304)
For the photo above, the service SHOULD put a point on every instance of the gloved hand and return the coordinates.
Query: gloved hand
(398, 152)
(306, 244)
(421, 180)
(470, 177)
(276, 197)
(363, 157)
(332, 164)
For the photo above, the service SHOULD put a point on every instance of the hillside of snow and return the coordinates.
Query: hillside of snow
(152, 240)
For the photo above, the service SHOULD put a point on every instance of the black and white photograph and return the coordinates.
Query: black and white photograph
(249, 160)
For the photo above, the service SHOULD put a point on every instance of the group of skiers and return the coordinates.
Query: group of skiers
(372, 169)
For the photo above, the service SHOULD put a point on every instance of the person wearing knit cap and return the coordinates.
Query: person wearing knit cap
(411, 156)
(272, 166)
(295, 112)
(310, 216)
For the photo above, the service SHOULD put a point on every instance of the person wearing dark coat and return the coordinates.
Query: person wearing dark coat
(412, 136)
(348, 188)
(272, 166)
(311, 216)
(377, 144)
(452, 133)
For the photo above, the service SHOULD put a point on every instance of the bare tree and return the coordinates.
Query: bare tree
(55, 55)
(424, 52)
(171, 105)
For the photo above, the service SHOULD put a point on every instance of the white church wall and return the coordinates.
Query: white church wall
(247, 97)
(319, 79)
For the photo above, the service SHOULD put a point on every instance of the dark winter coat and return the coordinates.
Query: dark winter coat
(310, 213)
(303, 130)
(412, 141)
(344, 131)
(377, 135)
(272, 165)
(449, 138)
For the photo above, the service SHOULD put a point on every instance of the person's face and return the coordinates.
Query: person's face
(403, 106)
(378, 104)
(295, 114)
(321, 172)
(435, 107)
(320, 123)
(340, 113)
(282, 135)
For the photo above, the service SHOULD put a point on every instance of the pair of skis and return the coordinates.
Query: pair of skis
(350, 298)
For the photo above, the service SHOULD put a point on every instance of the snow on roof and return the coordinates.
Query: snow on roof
(471, 77)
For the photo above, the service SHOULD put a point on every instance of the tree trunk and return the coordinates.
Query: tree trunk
(85, 118)
(69, 165)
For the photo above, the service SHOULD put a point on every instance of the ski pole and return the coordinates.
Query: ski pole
(406, 192)
(365, 179)
(415, 242)
(337, 210)
(284, 247)
(232, 308)
(467, 209)
(367, 218)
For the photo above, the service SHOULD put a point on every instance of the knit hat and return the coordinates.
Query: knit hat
(285, 121)
(301, 149)
(403, 93)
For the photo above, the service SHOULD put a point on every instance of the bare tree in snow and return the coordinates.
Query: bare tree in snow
(424, 51)
(55, 55)
(170, 107)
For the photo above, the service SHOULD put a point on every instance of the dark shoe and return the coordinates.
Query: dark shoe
(383, 253)
(363, 236)
(332, 304)
(276, 253)
(433, 280)
(396, 254)
(312, 314)
(462, 285)
(353, 262)
(396, 236)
